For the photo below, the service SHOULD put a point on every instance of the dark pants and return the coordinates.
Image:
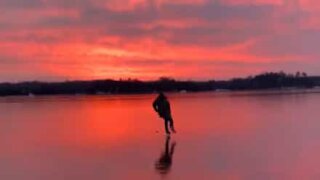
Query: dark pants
(170, 122)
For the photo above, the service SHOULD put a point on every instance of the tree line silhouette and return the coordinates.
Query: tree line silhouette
(270, 80)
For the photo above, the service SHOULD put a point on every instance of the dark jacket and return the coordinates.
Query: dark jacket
(162, 106)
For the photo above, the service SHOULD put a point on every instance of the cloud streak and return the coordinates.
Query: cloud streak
(193, 39)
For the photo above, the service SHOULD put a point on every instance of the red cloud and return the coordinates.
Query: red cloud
(183, 39)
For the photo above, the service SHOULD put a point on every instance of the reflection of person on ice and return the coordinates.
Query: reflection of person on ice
(162, 106)
(164, 163)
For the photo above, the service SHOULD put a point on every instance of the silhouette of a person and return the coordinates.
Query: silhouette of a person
(163, 164)
(162, 106)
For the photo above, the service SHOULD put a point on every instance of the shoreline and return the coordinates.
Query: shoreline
(248, 92)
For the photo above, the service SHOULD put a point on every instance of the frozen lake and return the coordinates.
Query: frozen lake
(220, 136)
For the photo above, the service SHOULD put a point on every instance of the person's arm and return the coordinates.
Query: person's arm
(155, 105)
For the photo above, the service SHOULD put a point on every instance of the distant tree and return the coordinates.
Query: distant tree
(269, 80)
(304, 74)
(166, 79)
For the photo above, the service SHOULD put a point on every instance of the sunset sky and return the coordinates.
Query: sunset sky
(57, 40)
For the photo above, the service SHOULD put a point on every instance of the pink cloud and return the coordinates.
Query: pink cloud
(254, 2)
(183, 39)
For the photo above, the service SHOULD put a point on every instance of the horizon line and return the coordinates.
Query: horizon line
(151, 80)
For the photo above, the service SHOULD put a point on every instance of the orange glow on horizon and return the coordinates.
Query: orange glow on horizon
(182, 39)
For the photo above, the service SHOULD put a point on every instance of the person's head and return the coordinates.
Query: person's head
(161, 95)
